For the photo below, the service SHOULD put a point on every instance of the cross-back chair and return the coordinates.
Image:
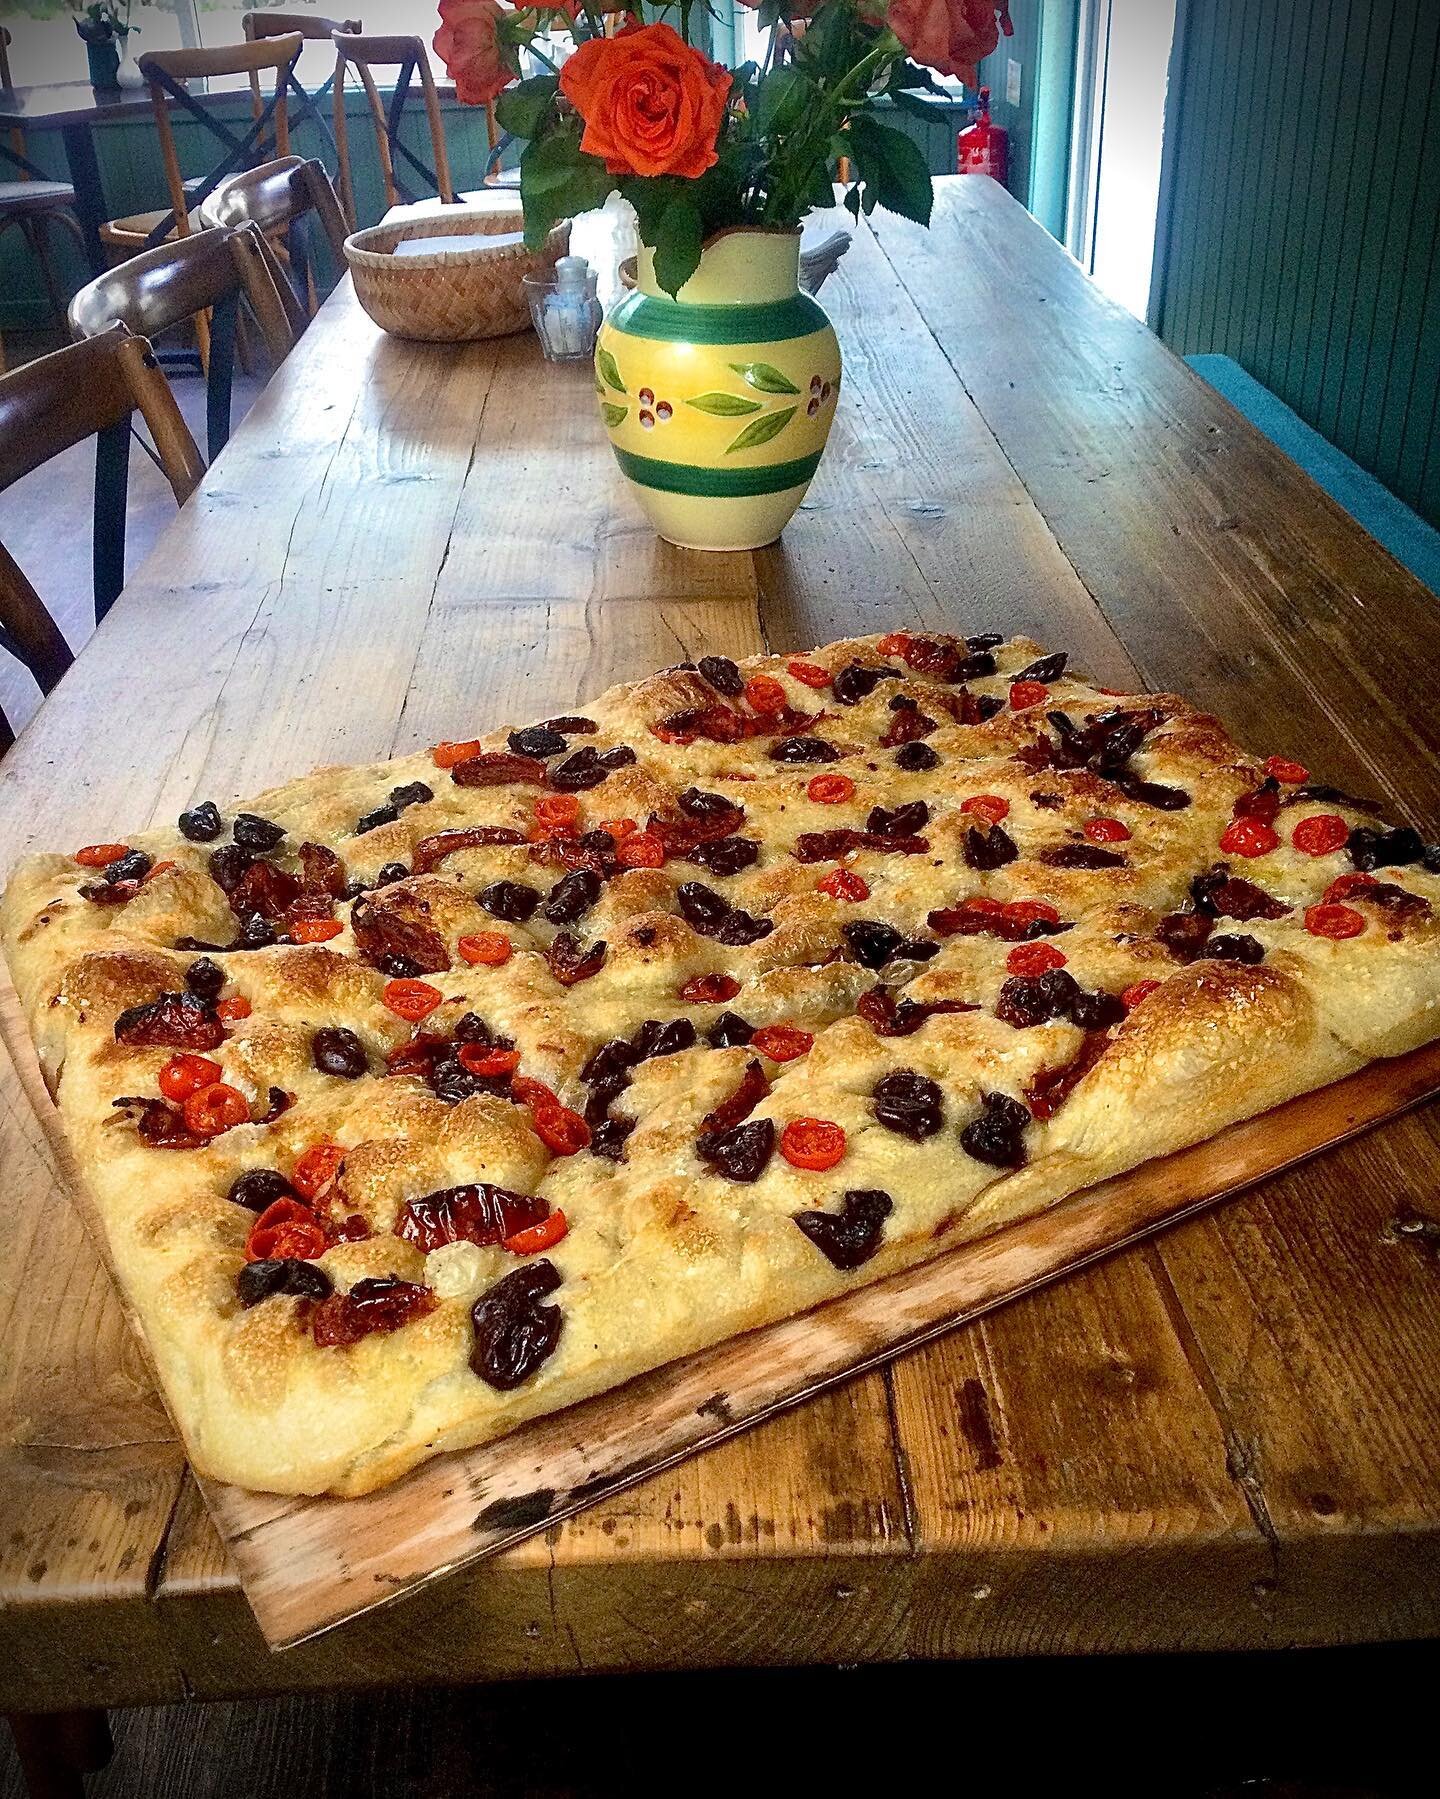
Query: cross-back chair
(408, 57)
(209, 271)
(89, 389)
(282, 198)
(306, 105)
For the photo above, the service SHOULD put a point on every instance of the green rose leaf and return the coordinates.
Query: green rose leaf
(725, 406)
(765, 376)
(761, 430)
(609, 370)
(557, 181)
(678, 242)
(612, 414)
(893, 169)
(521, 109)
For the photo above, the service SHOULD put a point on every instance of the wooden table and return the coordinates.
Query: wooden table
(1229, 1439)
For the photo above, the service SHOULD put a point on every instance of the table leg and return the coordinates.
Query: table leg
(57, 1749)
(89, 189)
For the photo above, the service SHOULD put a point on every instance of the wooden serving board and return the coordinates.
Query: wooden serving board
(309, 1564)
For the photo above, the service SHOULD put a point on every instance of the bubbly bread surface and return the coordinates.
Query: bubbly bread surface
(422, 1098)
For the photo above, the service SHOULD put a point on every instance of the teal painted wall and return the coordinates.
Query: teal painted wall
(1304, 230)
(1039, 127)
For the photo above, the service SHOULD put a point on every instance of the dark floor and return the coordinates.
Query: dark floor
(1347, 1724)
(45, 519)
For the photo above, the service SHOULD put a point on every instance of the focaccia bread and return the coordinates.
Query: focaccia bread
(423, 1098)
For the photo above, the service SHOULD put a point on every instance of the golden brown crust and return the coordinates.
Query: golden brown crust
(665, 1252)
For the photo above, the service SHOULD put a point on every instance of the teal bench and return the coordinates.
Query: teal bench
(1369, 502)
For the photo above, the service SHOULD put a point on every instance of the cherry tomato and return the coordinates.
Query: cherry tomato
(490, 949)
(1137, 991)
(561, 1131)
(812, 1143)
(991, 908)
(447, 755)
(1025, 694)
(619, 828)
(1106, 830)
(895, 644)
(1319, 835)
(709, 989)
(988, 806)
(316, 1168)
(831, 790)
(285, 1230)
(480, 1059)
(315, 930)
(411, 1000)
(1033, 959)
(530, 1092)
(810, 673)
(1248, 837)
(643, 850)
(554, 809)
(765, 694)
(1020, 913)
(844, 884)
(228, 1010)
(101, 855)
(1281, 768)
(183, 1075)
(544, 1235)
(1334, 921)
(1344, 886)
(782, 1042)
(216, 1108)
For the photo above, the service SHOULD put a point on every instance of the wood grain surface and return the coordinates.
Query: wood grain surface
(1228, 1438)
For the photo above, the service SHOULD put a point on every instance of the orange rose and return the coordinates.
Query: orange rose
(468, 43)
(950, 36)
(651, 104)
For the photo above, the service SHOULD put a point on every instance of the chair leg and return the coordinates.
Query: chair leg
(57, 1749)
(40, 242)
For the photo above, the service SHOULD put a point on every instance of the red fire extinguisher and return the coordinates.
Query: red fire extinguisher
(983, 148)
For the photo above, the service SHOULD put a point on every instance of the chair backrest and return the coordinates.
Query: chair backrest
(408, 56)
(207, 272)
(280, 198)
(5, 58)
(166, 72)
(258, 25)
(89, 389)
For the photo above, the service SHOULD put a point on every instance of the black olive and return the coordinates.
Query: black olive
(372, 821)
(975, 667)
(855, 683)
(871, 943)
(413, 793)
(1238, 946)
(728, 1030)
(987, 705)
(514, 1333)
(1151, 793)
(723, 675)
(898, 821)
(1184, 934)
(572, 896)
(133, 867)
(696, 803)
(391, 872)
(997, 1137)
(850, 1237)
(909, 1103)
(803, 749)
(398, 967)
(989, 849)
(726, 855)
(339, 1052)
(916, 758)
(513, 901)
(620, 757)
(205, 979)
(201, 824)
(252, 832)
(259, 1188)
(607, 1139)
(537, 740)
(985, 640)
(740, 1153)
(1369, 849)
(1080, 855)
(702, 907)
(739, 928)
(255, 933)
(472, 1028)
(262, 1280)
(1022, 1004)
(1096, 1011)
(1044, 668)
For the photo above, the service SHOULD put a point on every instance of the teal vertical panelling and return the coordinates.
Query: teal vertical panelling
(1039, 127)
(1304, 235)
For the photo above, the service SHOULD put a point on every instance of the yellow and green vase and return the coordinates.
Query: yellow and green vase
(718, 402)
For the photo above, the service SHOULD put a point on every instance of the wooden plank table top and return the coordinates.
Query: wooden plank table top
(1227, 1438)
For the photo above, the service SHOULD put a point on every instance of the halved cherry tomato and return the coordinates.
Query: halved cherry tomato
(216, 1108)
(183, 1075)
(1281, 768)
(831, 790)
(810, 673)
(844, 884)
(480, 1059)
(544, 1235)
(285, 1230)
(643, 850)
(490, 949)
(1020, 913)
(1319, 835)
(1025, 694)
(765, 694)
(1334, 921)
(1106, 830)
(553, 809)
(1033, 960)
(895, 643)
(228, 1010)
(1248, 837)
(530, 1092)
(416, 1054)
(993, 908)
(619, 828)
(315, 930)
(316, 1168)
(989, 806)
(448, 755)
(101, 855)
(709, 989)
(1344, 886)
(160, 868)
(782, 1042)
(812, 1143)
(411, 999)
(1137, 991)
(562, 1131)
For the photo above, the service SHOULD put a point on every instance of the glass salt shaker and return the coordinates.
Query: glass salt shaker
(565, 310)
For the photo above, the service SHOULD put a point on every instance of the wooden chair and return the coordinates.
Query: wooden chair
(34, 203)
(209, 271)
(281, 198)
(409, 57)
(260, 25)
(89, 389)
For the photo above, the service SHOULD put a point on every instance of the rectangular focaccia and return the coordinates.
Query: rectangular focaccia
(423, 1098)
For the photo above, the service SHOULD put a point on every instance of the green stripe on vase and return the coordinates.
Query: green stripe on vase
(716, 483)
(773, 321)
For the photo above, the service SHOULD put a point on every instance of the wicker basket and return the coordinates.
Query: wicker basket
(448, 297)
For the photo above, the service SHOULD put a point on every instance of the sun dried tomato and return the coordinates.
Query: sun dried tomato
(563, 1132)
(1106, 830)
(479, 1213)
(381, 1304)
(488, 949)
(709, 989)
(1051, 1087)
(183, 1075)
(989, 806)
(809, 673)
(831, 790)
(1319, 835)
(1033, 959)
(571, 961)
(316, 1168)
(1137, 991)
(1281, 768)
(285, 1231)
(908, 725)
(430, 852)
(265, 890)
(1263, 804)
(738, 1106)
(544, 1235)
(1344, 887)
(1025, 694)
(844, 884)
(173, 1021)
(782, 1042)
(1334, 921)
(101, 855)
(498, 768)
(447, 755)
(160, 1126)
(813, 1143)
(1250, 837)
